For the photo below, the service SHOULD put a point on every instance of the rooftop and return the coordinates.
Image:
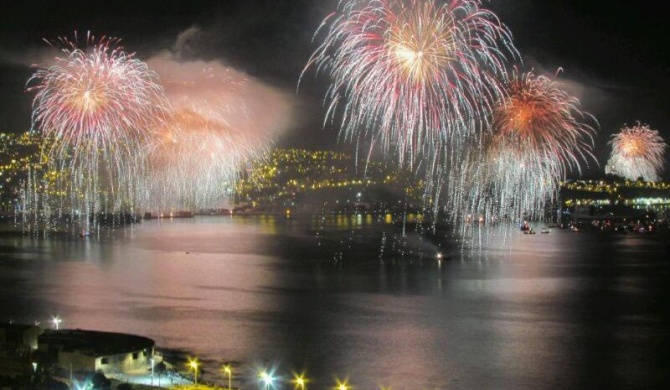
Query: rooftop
(98, 343)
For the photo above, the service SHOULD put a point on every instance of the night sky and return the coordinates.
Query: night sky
(613, 55)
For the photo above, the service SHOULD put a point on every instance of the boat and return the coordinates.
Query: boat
(544, 231)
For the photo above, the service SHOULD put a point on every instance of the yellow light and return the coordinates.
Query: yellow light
(193, 364)
(228, 371)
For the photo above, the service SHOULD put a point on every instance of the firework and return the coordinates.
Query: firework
(413, 75)
(98, 103)
(637, 151)
(220, 120)
(538, 134)
(194, 161)
(99, 95)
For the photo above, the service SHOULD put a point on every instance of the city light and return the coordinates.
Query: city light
(300, 381)
(267, 379)
(56, 320)
(342, 385)
(152, 370)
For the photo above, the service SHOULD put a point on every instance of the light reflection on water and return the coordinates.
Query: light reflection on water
(541, 311)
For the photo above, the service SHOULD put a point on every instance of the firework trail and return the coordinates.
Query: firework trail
(538, 134)
(637, 151)
(98, 103)
(220, 120)
(417, 78)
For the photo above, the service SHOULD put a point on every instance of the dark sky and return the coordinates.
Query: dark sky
(614, 55)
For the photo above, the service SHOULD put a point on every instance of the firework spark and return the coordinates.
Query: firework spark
(637, 151)
(413, 75)
(539, 133)
(98, 103)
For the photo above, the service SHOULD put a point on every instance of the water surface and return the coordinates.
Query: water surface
(347, 297)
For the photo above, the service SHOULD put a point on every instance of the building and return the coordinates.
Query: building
(18, 338)
(92, 351)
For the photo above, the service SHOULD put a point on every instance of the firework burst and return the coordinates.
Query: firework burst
(98, 104)
(194, 161)
(637, 151)
(413, 75)
(99, 95)
(220, 120)
(538, 134)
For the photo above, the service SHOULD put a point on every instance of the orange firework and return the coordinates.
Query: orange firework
(540, 119)
(538, 134)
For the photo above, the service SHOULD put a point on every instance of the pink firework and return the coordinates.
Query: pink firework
(220, 119)
(99, 95)
(99, 104)
(413, 75)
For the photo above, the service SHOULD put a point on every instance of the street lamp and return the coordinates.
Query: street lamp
(193, 364)
(228, 371)
(299, 381)
(342, 385)
(152, 371)
(56, 321)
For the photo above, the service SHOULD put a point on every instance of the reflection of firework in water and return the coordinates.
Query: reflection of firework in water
(220, 120)
(637, 151)
(415, 75)
(98, 103)
(538, 134)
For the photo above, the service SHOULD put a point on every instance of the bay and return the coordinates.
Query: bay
(357, 298)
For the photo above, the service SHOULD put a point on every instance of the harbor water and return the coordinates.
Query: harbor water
(361, 299)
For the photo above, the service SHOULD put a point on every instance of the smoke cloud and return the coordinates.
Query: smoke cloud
(254, 111)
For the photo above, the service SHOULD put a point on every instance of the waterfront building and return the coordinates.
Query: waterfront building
(92, 351)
